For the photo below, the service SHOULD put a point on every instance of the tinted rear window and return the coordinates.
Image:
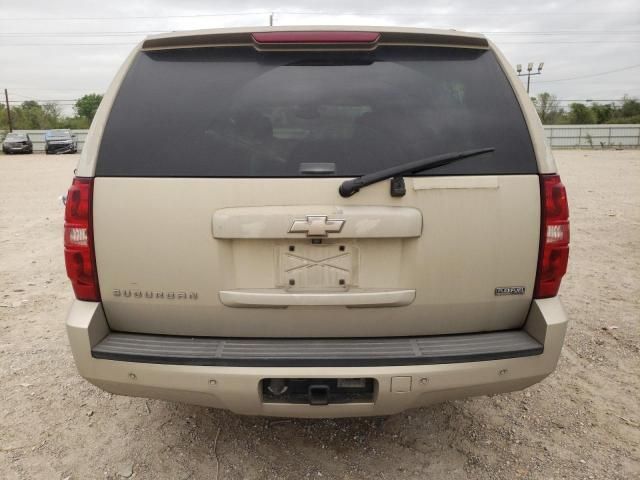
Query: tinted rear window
(236, 112)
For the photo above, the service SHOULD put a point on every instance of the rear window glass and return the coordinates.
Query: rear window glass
(15, 136)
(236, 112)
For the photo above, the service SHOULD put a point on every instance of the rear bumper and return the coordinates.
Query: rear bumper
(60, 148)
(17, 149)
(333, 352)
(403, 381)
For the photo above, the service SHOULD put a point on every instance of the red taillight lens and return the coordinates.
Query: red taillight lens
(554, 237)
(316, 37)
(79, 254)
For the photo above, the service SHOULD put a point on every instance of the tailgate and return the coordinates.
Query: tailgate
(173, 257)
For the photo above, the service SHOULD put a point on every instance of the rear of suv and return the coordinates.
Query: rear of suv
(316, 222)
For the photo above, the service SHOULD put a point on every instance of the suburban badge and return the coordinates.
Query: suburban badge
(154, 294)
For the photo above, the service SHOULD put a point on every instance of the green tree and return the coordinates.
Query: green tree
(603, 113)
(87, 105)
(634, 119)
(30, 115)
(630, 107)
(4, 121)
(580, 114)
(52, 113)
(548, 107)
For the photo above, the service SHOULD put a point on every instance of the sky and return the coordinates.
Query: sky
(64, 49)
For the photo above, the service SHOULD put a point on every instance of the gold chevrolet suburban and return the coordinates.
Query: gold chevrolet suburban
(316, 222)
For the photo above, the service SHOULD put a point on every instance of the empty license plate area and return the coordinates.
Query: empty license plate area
(318, 391)
(316, 265)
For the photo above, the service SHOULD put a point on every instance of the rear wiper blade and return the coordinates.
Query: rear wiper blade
(350, 187)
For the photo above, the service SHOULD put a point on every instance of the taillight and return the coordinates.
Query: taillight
(554, 237)
(79, 254)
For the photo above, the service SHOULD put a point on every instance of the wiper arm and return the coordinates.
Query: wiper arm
(350, 187)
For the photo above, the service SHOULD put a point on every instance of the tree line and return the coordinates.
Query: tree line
(552, 113)
(31, 115)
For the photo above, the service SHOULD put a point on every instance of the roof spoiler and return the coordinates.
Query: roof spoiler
(310, 39)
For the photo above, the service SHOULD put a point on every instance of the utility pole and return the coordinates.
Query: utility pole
(6, 99)
(528, 74)
(271, 19)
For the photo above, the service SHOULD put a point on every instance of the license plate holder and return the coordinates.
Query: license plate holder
(312, 266)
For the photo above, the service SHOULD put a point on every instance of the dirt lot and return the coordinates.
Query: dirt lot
(582, 422)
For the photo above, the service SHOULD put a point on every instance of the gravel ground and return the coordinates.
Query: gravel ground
(582, 422)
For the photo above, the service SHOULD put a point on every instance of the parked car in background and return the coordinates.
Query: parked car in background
(60, 141)
(17, 143)
(355, 222)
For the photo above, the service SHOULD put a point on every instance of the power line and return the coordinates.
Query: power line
(560, 32)
(136, 17)
(43, 100)
(325, 13)
(82, 34)
(150, 32)
(57, 102)
(630, 67)
(436, 14)
(19, 95)
(554, 42)
(50, 89)
(589, 99)
(65, 44)
(590, 75)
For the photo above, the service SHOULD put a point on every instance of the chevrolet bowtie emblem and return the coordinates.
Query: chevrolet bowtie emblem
(316, 226)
